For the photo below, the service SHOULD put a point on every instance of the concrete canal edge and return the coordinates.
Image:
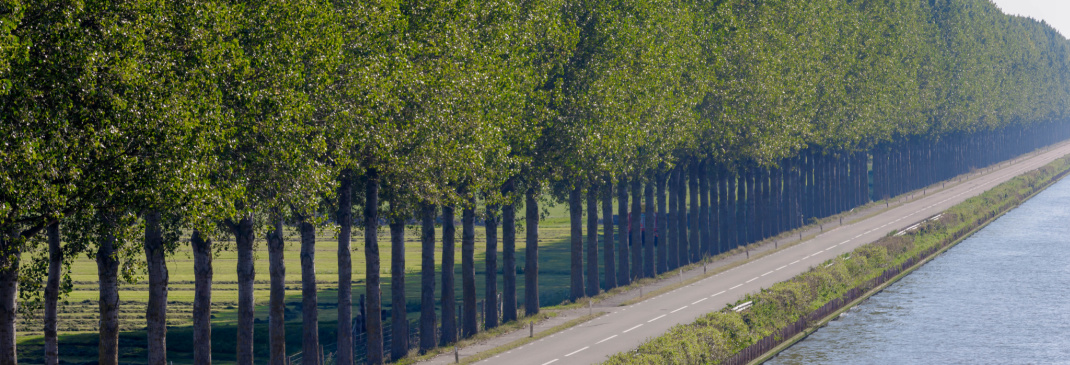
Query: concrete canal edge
(787, 343)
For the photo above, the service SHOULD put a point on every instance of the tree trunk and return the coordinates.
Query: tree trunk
(760, 217)
(243, 239)
(682, 218)
(716, 202)
(624, 230)
(310, 339)
(754, 198)
(694, 239)
(509, 254)
(427, 278)
(55, 261)
(531, 258)
(202, 298)
(575, 214)
(490, 275)
(663, 216)
(731, 222)
(277, 299)
(648, 228)
(607, 235)
(672, 259)
(743, 197)
(592, 241)
(399, 322)
(156, 312)
(344, 354)
(704, 209)
(469, 326)
(10, 253)
(723, 219)
(635, 227)
(374, 319)
(449, 295)
(108, 284)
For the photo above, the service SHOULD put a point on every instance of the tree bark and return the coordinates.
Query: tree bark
(427, 278)
(650, 217)
(10, 253)
(277, 299)
(310, 339)
(682, 218)
(662, 264)
(704, 209)
(156, 312)
(731, 215)
(694, 239)
(469, 325)
(672, 260)
(55, 261)
(509, 254)
(344, 354)
(723, 242)
(243, 237)
(624, 231)
(202, 298)
(575, 214)
(716, 184)
(449, 295)
(490, 274)
(607, 235)
(374, 319)
(760, 217)
(108, 284)
(592, 241)
(399, 322)
(635, 228)
(531, 258)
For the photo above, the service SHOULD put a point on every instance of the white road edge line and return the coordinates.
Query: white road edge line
(636, 326)
(574, 352)
(606, 339)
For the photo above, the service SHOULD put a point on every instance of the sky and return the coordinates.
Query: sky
(1055, 12)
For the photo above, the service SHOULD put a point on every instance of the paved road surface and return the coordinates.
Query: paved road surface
(625, 328)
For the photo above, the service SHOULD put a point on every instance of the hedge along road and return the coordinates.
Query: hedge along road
(625, 328)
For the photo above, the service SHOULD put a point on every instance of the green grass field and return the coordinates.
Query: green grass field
(78, 316)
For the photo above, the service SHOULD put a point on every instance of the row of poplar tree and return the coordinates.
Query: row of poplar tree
(130, 122)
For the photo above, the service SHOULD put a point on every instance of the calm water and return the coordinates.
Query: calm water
(1002, 296)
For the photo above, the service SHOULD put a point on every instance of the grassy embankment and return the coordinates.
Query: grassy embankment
(78, 316)
(718, 336)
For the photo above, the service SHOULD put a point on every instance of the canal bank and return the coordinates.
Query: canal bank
(999, 296)
(790, 309)
(1011, 194)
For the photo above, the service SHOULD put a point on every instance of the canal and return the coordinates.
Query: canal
(1000, 296)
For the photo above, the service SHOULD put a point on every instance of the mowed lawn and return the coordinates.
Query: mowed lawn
(78, 318)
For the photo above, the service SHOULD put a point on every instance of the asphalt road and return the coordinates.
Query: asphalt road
(625, 328)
